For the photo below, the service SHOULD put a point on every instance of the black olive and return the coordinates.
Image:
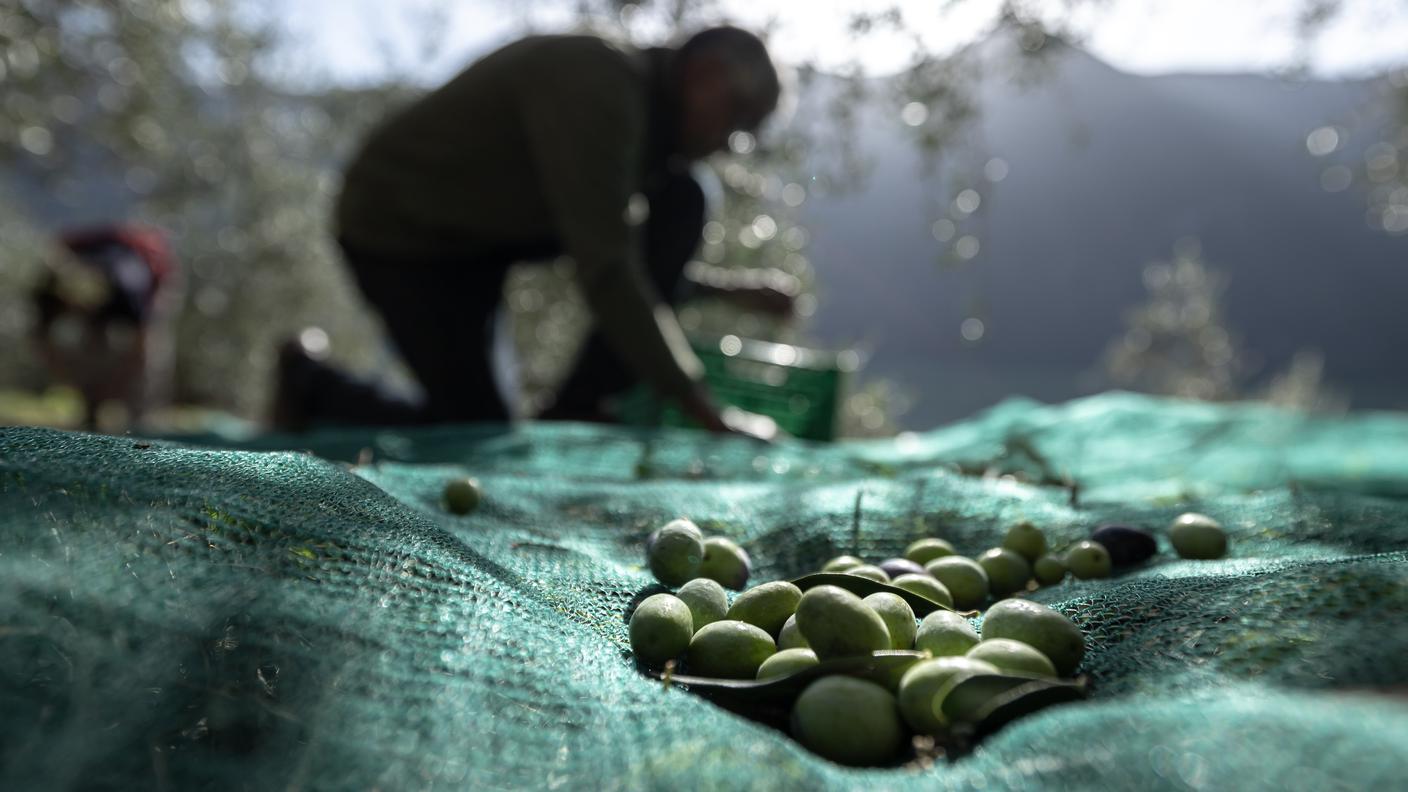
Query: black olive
(1127, 546)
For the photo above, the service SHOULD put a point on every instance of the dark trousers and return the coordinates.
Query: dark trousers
(440, 315)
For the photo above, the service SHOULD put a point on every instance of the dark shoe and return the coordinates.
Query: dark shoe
(299, 361)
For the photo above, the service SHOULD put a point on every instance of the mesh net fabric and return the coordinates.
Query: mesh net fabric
(181, 617)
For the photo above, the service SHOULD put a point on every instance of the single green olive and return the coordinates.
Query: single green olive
(1049, 570)
(674, 552)
(787, 661)
(897, 615)
(1038, 626)
(1007, 570)
(729, 650)
(1027, 540)
(660, 629)
(848, 720)
(841, 563)
(869, 572)
(923, 551)
(790, 637)
(767, 606)
(925, 586)
(945, 634)
(1014, 656)
(725, 562)
(707, 600)
(1198, 536)
(462, 495)
(1088, 560)
(922, 687)
(837, 623)
(964, 578)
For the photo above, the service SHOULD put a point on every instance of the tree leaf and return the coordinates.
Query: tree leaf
(864, 587)
(989, 701)
(880, 667)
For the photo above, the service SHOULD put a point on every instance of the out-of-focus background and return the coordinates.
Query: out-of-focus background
(1039, 197)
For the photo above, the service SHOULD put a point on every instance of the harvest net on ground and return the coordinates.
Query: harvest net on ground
(218, 614)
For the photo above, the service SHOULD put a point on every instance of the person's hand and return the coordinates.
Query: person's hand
(730, 420)
(769, 291)
(758, 427)
(699, 405)
(765, 299)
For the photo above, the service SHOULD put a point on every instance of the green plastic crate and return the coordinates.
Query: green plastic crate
(799, 388)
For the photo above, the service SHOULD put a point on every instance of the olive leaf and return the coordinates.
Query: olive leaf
(988, 701)
(879, 667)
(864, 587)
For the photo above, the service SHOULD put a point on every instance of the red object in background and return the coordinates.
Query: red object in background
(147, 242)
(135, 260)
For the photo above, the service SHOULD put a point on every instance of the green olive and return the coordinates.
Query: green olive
(729, 650)
(841, 563)
(1014, 656)
(1049, 570)
(462, 495)
(675, 551)
(925, 550)
(660, 629)
(964, 578)
(1198, 536)
(923, 684)
(1007, 570)
(869, 572)
(837, 623)
(848, 720)
(1088, 560)
(787, 661)
(725, 562)
(790, 637)
(897, 615)
(707, 601)
(1027, 540)
(1040, 627)
(767, 606)
(926, 587)
(945, 634)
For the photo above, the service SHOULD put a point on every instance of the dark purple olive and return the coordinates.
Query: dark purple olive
(894, 567)
(1127, 546)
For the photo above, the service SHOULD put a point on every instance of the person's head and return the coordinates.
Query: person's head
(727, 83)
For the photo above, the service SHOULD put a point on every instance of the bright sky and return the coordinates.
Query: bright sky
(360, 40)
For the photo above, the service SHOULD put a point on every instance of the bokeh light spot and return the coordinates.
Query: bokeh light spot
(967, 246)
(1323, 141)
(972, 329)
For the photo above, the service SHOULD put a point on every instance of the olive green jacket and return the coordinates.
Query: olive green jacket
(543, 140)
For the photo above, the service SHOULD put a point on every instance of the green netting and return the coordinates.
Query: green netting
(173, 617)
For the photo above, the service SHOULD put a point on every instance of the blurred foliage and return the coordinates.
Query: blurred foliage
(22, 252)
(1178, 343)
(1381, 170)
(167, 100)
(1302, 386)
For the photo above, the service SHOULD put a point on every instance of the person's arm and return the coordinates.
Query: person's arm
(767, 290)
(586, 130)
